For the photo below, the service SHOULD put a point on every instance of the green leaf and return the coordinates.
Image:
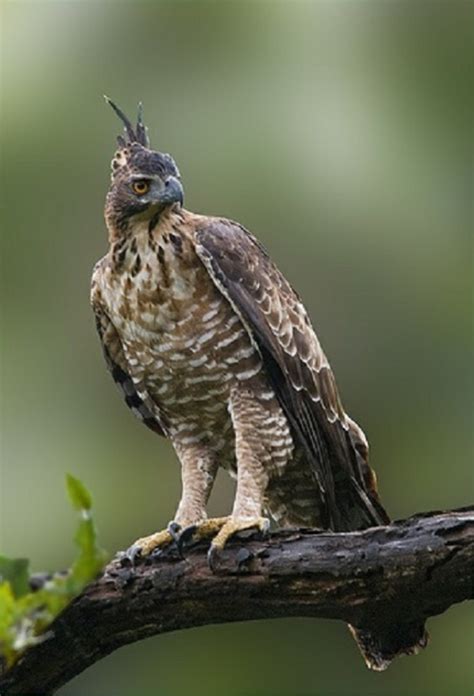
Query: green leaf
(15, 571)
(91, 557)
(7, 622)
(78, 493)
(24, 614)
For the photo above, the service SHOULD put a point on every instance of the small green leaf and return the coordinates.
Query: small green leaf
(26, 614)
(15, 571)
(78, 493)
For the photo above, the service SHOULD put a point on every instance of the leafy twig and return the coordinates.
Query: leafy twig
(29, 604)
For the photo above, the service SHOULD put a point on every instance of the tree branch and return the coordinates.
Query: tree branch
(401, 573)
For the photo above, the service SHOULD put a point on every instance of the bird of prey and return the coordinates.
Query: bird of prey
(214, 350)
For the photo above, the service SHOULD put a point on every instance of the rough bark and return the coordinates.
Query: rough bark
(402, 573)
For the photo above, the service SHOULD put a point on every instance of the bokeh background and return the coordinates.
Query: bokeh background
(340, 133)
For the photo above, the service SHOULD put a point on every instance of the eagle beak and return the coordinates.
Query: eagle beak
(173, 191)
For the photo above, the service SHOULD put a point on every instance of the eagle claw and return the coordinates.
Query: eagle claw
(213, 556)
(175, 531)
(245, 527)
(152, 546)
(185, 537)
(131, 555)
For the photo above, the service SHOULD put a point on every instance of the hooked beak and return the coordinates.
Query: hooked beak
(173, 192)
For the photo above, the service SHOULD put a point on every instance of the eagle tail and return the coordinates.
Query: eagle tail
(380, 646)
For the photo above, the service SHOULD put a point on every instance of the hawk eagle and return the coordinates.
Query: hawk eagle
(213, 349)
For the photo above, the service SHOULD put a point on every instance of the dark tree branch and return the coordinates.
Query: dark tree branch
(402, 573)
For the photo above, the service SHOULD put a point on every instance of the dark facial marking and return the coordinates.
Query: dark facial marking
(127, 209)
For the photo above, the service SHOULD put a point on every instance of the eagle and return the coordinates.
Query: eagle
(213, 349)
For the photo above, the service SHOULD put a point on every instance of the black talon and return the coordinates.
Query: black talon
(213, 556)
(186, 536)
(131, 555)
(175, 530)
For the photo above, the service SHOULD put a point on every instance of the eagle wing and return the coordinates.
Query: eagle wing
(136, 396)
(298, 369)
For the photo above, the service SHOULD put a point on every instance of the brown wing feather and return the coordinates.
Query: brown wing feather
(135, 395)
(297, 367)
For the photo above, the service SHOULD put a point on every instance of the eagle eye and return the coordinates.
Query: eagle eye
(140, 187)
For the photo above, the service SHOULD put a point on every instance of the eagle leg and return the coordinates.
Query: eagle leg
(198, 471)
(252, 455)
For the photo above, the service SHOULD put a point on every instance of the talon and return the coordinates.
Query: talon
(185, 537)
(213, 556)
(132, 554)
(194, 533)
(229, 529)
(175, 531)
(200, 530)
(147, 545)
(262, 528)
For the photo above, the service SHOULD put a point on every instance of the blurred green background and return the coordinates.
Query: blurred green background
(339, 133)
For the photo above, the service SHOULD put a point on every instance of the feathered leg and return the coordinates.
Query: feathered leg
(198, 472)
(252, 478)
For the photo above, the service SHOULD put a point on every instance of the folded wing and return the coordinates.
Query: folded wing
(299, 371)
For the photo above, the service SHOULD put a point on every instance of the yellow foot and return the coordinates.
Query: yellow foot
(232, 526)
(147, 545)
(198, 531)
(174, 534)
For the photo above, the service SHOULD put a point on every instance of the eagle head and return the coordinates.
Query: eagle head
(144, 182)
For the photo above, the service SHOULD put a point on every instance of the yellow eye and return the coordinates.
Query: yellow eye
(140, 187)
